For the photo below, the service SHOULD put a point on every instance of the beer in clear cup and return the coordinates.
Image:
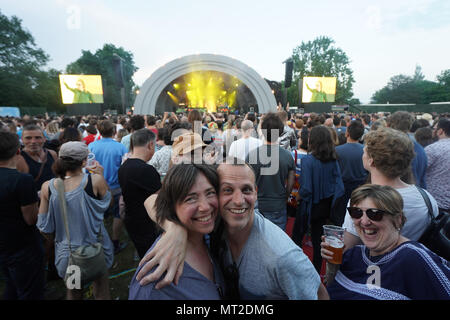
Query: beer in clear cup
(336, 246)
(334, 238)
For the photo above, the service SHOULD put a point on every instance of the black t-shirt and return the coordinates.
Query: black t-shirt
(138, 181)
(16, 190)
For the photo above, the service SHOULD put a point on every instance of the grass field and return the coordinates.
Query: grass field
(120, 274)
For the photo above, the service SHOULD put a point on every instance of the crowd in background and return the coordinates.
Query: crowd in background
(321, 160)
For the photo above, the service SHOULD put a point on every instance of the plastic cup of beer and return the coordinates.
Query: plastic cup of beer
(90, 162)
(334, 237)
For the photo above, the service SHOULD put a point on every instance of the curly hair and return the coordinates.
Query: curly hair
(392, 151)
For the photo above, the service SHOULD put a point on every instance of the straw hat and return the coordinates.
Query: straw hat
(186, 143)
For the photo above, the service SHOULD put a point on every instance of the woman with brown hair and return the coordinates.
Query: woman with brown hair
(320, 185)
(87, 197)
(188, 197)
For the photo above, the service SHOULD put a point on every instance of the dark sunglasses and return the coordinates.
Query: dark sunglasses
(373, 214)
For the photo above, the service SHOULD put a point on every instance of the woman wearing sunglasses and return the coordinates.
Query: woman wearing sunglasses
(387, 266)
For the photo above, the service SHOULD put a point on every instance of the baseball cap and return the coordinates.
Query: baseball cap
(74, 149)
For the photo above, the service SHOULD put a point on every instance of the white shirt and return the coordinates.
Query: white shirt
(241, 148)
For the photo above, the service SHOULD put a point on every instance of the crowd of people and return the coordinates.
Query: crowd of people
(205, 199)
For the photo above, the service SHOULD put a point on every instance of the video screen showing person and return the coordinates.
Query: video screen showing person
(81, 88)
(318, 89)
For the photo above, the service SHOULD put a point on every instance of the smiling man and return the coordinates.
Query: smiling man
(34, 158)
(267, 262)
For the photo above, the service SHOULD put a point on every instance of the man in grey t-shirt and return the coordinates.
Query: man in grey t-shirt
(275, 172)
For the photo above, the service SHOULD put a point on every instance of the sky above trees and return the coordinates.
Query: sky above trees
(381, 38)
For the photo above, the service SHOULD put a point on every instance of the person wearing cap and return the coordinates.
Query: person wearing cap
(427, 117)
(88, 197)
(21, 251)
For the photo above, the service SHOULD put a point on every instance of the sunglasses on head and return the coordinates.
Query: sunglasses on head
(372, 213)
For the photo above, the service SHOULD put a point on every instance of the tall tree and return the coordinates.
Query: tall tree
(101, 62)
(414, 89)
(20, 63)
(320, 58)
(444, 78)
(47, 92)
(418, 74)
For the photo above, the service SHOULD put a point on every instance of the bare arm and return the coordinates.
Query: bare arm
(53, 154)
(30, 213)
(169, 253)
(69, 88)
(349, 242)
(213, 117)
(290, 182)
(43, 207)
(21, 165)
(99, 186)
(322, 293)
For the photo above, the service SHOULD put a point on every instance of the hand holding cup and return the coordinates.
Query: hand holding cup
(333, 244)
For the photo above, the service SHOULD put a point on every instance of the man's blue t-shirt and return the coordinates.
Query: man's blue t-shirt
(419, 165)
(350, 162)
(109, 153)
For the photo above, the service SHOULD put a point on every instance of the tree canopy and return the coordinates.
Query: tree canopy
(21, 61)
(414, 89)
(320, 58)
(25, 83)
(101, 62)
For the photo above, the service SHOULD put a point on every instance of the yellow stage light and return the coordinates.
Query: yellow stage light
(206, 90)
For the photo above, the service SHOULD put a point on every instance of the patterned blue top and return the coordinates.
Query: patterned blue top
(409, 272)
